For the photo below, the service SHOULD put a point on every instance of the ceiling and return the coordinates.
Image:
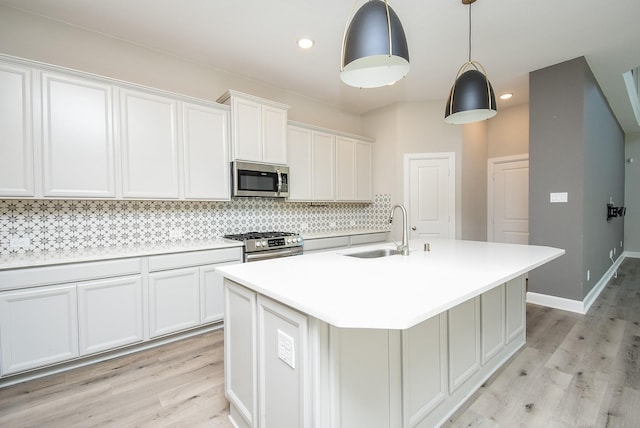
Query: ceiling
(257, 39)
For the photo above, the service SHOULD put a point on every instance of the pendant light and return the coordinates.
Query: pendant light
(374, 47)
(471, 98)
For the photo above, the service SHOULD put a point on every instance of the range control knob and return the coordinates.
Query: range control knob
(258, 244)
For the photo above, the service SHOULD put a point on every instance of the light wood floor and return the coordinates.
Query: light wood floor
(575, 371)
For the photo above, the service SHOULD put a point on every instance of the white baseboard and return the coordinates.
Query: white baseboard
(580, 306)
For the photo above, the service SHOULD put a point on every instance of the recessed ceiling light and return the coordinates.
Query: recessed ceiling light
(305, 43)
(506, 96)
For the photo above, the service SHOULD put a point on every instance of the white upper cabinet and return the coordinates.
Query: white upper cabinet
(205, 152)
(300, 163)
(149, 140)
(364, 168)
(345, 169)
(258, 128)
(77, 137)
(16, 143)
(66, 134)
(324, 166)
(328, 166)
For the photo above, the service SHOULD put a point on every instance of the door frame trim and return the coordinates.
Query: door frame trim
(491, 164)
(451, 158)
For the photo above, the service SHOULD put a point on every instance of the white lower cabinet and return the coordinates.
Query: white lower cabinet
(267, 378)
(59, 313)
(286, 369)
(38, 327)
(174, 301)
(109, 313)
(241, 354)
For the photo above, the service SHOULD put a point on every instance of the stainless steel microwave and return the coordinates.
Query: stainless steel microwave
(259, 179)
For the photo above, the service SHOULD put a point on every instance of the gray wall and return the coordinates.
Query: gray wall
(632, 194)
(575, 146)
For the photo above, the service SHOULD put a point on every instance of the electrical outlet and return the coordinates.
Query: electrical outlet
(286, 349)
(614, 251)
(16, 242)
(304, 226)
(610, 254)
(332, 224)
(175, 233)
(588, 275)
(352, 223)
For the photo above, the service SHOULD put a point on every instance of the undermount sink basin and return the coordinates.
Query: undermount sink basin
(374, 254)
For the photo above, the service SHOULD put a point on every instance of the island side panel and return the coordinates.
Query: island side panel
(434, 383)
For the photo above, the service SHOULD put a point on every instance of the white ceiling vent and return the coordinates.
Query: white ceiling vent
(632, 81)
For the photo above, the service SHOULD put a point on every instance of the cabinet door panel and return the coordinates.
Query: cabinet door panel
(241, 351)
(247, 130)
(345, 169)
(492, 308)
(212, 293)
(109, 313)
(364, 178)
(300, 170)
(206, 160)
(464, 342)
(274, 134)
(38, 327)
(173, 301)
(16, 143)
(78, 148)
(324, 165)
(516, 312)
(149, 145)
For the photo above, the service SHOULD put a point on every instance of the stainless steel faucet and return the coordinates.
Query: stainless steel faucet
(404, 247)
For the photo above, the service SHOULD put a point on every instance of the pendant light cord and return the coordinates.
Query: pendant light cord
(469, 32)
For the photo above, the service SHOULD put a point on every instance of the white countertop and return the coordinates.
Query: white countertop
(395, 292)
(343, 232)
(16, 261)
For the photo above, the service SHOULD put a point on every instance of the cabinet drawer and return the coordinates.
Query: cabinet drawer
(326, 243)
(194, 258)
(58, 274)
(369, 238)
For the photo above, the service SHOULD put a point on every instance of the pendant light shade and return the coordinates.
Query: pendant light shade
(374, 47)
(471, 98)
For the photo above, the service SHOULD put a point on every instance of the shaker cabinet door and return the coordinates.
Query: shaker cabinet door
(37, 327)
(109, 313)
(205, 152)
(149, 141)
(77, 131)
(16, 143)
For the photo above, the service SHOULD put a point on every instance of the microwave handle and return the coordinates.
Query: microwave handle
(279, 181)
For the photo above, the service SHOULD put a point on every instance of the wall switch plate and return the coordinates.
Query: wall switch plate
(588, 275)
(175, 233)
(558, 197)
(19, 242)
(286, 349)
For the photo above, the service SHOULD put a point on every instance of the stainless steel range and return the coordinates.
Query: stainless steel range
(269, 245)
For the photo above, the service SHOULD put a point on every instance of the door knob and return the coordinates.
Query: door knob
(413, 228)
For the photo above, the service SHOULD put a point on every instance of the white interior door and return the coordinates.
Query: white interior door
(508, 203)
(430, 189)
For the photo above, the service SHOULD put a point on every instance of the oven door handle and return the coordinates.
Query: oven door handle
(279, 181)
(264, 255)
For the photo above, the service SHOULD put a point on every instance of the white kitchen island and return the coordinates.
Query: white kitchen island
(329, 340)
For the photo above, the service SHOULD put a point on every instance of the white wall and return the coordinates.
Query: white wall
(632, 193)
(508, 132)
(35, 38)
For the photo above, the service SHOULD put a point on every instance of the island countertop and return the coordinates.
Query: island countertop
(395, 292)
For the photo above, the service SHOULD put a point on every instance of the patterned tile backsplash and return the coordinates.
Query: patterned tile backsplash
(63, 225)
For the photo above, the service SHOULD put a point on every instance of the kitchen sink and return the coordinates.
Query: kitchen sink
(374, 254)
